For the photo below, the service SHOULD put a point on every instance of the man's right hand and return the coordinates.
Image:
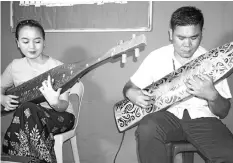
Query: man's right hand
(139, 98)
(9, 102)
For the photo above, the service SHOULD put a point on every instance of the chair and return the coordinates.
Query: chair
(185, 148)
(77, 89)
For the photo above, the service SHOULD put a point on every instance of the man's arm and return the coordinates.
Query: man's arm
(219, 105)
(129, 88)
(135, 95)
(204, 88)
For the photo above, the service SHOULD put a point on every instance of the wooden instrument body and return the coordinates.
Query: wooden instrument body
(217, 63)
(66, 75)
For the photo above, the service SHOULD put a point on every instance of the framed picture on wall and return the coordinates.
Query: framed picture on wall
(84, 17)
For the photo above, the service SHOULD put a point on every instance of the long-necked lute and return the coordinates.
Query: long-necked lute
(66, 75)
(216, 63)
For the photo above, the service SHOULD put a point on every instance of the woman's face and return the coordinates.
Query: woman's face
(30, 42)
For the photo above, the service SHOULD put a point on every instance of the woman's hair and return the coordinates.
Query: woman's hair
(187, 15)
(30, 23)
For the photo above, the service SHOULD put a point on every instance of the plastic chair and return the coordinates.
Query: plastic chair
(186, 149)
(77, 89)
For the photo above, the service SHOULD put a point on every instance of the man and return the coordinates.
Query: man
(196, 120)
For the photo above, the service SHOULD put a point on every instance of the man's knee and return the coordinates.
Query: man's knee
(147, 129)
(225, 155)
(229, 156)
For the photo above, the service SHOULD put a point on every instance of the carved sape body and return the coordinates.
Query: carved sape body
(66, 75)
(217, 63)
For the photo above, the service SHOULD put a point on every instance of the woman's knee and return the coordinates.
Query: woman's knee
(28, 107)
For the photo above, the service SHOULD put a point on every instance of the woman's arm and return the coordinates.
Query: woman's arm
(62, 103)
(56, 100)
(9, 102)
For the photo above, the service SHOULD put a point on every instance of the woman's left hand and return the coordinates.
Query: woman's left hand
(49, 93)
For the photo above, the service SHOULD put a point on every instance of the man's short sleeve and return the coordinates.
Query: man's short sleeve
(223, 89)
(142, 77)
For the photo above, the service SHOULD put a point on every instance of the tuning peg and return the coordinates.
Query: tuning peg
(121, 42)
(137, 53)
(124, 58)
(133, 35)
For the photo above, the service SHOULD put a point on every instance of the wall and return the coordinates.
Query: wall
(98, 138)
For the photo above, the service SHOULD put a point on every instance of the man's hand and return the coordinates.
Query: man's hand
(202, 87)
(142, 99)
(49, 93)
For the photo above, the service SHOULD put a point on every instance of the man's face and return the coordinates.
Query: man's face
(186, 40)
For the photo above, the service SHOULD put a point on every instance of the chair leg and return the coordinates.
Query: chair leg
(75, 149)
(58, 149)
(188, 157)
(178, 158)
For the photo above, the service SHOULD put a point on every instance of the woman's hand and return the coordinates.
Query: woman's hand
(49, 93)
(9, 102)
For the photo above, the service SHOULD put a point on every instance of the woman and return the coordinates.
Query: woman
(33, 126)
